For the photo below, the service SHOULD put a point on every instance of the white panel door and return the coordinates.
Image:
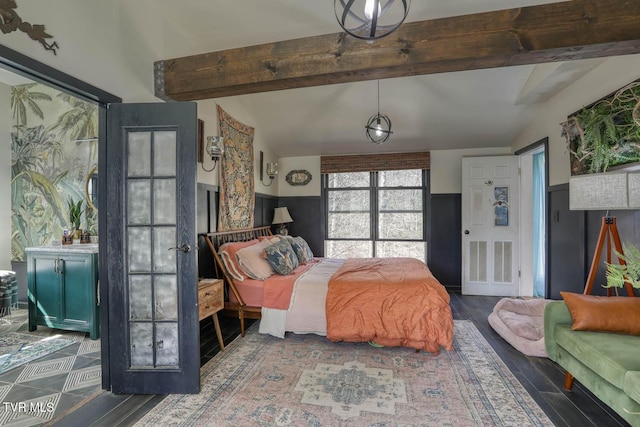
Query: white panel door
(490, 243)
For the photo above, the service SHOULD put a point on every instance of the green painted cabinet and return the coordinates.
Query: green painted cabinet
(63, 288)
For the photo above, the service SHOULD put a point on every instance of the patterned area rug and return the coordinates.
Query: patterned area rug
(17, 349)
(306, 380)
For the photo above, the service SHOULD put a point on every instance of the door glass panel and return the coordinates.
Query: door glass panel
(167, 345)
(139, 154)
(138, 243)
(139, 201)
(164, 260)
(153, 295)
(140, 297)
(164, 153)
(164, 201)
(166, 297)
(141, 344)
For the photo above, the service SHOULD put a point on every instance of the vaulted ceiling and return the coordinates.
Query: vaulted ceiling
(478, 107)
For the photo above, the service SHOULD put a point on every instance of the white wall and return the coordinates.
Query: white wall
(308, 163)
(604, 79)
(446, 171)
(5, 178)
(446, 167)
(93, 45)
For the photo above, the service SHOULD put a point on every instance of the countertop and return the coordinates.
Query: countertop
(84, 248)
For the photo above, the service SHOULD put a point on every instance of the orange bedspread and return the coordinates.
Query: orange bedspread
(390, 301)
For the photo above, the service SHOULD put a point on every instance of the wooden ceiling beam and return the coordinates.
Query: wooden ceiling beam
(569, 30)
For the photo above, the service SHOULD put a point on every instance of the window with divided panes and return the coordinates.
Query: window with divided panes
(376, 214)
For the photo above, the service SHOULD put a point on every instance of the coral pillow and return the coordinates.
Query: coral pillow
(605, 314)
(252, 262)
(228, 254)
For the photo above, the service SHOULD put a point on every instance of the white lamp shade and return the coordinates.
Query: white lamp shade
(281, 216)
(634, 190)
(604, 191)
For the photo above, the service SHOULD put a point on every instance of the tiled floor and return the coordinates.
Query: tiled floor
(48, 387)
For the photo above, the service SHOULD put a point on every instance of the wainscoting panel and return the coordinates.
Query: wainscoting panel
(206, 222)
(263, 212)
(308, 220)
(445, 259)
(567, 269)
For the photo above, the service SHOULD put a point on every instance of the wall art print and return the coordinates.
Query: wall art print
(501, 206)
(53, 149)
(606, 133)
(237, 195)
(10, 21)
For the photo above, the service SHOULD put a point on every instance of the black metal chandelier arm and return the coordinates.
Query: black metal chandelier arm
(347, 11)
(368, 27)
(382, 10)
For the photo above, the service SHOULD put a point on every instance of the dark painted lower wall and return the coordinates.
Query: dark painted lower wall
(308, 220)
(445, 259)
(566, 249)
(573, 236)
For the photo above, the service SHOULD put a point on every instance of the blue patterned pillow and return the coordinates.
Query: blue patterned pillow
(301, 249)
(281, 257)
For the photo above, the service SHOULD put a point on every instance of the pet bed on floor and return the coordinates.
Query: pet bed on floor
(520, 323)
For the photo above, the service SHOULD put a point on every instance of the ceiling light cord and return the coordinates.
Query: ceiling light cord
(379, 125)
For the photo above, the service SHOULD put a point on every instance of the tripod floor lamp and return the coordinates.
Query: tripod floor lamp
(605, 192)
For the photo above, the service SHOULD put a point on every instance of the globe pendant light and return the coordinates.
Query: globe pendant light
(379, 125)
(371, 19)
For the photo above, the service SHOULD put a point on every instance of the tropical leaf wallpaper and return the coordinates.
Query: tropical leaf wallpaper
(54, 147)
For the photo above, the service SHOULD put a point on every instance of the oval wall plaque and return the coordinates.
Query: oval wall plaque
(298, 177)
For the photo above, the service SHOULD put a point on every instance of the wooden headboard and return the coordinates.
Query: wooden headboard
(217, 239)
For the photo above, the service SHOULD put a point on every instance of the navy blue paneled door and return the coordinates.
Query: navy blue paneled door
(151, 242)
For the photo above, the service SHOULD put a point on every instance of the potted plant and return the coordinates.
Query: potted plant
(619, 274)
(75, 216)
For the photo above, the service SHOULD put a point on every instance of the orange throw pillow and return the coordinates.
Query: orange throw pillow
(605, 314)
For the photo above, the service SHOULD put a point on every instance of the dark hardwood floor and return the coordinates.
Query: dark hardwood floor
(541, 377)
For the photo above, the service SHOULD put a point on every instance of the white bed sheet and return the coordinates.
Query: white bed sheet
(306, 313)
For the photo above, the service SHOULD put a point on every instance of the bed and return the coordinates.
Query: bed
(385, 301)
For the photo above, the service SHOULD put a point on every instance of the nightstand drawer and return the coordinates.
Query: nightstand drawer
(210, 297)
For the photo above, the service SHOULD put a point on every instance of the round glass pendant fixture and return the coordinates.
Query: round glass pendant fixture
(379, 125)
(371, 19)
(378, 129)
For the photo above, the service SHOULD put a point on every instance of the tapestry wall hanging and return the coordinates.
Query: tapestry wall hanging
(237, 198)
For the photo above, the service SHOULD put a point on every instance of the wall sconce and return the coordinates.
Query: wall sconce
(213, 150)
(271, 170)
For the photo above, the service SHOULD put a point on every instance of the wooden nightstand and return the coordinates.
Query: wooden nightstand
(210, 301)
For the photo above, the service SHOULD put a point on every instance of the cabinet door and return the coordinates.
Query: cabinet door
(78, 301)
(44, 291)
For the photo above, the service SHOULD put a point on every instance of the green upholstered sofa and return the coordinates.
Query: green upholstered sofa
(606, 363)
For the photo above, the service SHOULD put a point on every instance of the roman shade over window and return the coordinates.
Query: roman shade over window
(375, 162)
